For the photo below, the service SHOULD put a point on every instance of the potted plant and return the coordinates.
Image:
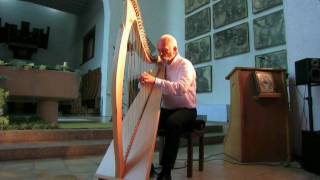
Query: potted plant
(4, 120)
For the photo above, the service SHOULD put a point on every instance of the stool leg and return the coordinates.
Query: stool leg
(190, 156)
(201, 152)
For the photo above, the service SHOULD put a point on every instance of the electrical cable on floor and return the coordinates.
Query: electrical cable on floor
(158, 166)
(236, 162)
(182, 167)
(185, 160)
(211, 155)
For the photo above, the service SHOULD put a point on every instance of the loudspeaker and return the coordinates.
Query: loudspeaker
(307, 71)
(310, 160)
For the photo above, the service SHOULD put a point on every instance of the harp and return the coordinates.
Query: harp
(135, 115)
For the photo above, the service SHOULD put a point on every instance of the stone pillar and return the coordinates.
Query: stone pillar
(48, 110)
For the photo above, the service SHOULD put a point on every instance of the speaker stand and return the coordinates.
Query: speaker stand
(309, 99)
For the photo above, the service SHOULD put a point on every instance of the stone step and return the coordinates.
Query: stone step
(36, 144)
(62, 149)
(213, 128)
(214, 138)
(67, 149)
(12, 136)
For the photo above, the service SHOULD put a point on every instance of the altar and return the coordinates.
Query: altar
(46, 87)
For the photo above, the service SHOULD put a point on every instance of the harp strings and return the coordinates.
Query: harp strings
(135, 65)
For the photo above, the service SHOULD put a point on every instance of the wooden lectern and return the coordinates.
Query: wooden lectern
(258, 128)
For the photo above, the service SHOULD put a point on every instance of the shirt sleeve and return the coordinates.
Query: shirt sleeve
(179, 87)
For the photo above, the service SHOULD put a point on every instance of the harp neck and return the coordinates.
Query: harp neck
(134, 16)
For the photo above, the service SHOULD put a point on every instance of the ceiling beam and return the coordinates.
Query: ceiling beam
(71, 6)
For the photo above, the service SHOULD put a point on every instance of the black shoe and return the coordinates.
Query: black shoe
(164, 175)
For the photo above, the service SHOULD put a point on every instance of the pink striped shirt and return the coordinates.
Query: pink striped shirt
(179, 86)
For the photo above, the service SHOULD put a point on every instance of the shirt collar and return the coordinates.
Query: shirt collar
(175, 59)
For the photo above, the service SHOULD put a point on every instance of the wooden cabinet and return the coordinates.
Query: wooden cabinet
(258, 128)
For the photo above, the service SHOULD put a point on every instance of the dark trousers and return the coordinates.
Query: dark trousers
(174, 122)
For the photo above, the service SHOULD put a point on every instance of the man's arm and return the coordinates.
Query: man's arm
(179, 87)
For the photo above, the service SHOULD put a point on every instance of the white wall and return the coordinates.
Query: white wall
(175, 21)
(155, 18)
(105, 98)
(62, 29)
(93, 16)
(113, 11)
(303, 41)
(215, 104)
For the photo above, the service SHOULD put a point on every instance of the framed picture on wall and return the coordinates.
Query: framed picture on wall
(204, 79)
(199, 51)
(191, 5)
(228, 11)
(275, 60)
(264, 82)
(261, 5)
(231, 41)
(88, 45)
(198, 24)
(269, 30)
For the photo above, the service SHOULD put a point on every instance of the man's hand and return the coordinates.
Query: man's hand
(147, 78)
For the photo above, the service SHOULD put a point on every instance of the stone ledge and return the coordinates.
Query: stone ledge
(12, 136)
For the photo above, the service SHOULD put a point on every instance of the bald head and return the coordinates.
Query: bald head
(167, 48)
(168, 39)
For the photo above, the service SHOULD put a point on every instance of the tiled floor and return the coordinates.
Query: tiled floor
(215, 168)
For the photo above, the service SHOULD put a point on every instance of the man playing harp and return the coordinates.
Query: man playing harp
(135, 120)
(178, 106)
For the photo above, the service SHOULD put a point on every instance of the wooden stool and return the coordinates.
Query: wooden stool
(196, 131)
